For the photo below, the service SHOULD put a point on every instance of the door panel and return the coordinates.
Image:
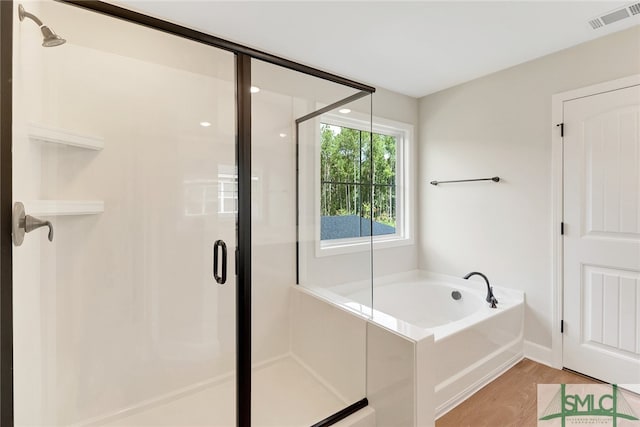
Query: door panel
(119, 320)
(602, 235)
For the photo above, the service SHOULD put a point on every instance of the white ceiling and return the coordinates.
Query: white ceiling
(415, 48)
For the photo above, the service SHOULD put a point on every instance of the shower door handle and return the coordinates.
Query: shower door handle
(23, 223)
(219, 244)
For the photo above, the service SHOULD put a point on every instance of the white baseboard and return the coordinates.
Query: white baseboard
(477, 385)
(538, 353)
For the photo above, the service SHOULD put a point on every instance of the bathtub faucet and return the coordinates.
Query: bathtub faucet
(490, 298)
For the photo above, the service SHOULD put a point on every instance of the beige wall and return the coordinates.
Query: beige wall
(391, 105)
(501, 125)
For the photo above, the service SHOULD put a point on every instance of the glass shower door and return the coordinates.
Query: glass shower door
(124, 147)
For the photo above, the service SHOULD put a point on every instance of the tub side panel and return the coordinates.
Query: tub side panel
(391, 377)
(470, 358)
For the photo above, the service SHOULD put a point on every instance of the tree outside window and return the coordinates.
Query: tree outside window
(351, 192)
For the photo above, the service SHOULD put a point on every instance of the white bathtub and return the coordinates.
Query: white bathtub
(473, 343)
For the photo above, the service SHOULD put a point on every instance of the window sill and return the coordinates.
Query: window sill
(348, 246)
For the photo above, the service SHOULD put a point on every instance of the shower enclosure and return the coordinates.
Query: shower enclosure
(179, 174)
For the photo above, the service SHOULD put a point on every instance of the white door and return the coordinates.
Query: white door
(602, 235)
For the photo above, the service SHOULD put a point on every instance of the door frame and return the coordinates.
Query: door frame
(6, 196)
(557, 189)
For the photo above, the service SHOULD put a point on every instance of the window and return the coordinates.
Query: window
(352, 192)
(227, 193)
(202, 195)
(227, 197)
(199, 197)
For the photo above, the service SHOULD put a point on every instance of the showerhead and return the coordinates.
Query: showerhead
(50, 38)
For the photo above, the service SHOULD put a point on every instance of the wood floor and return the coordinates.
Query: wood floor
(510, 400)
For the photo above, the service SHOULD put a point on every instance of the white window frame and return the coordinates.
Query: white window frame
(227, 193)
(403, 236)
(200, 197)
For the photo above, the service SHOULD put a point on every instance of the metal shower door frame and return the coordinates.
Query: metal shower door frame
(6, 196)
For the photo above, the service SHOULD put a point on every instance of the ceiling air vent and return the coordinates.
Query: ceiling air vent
(615, 16)
(596, 23)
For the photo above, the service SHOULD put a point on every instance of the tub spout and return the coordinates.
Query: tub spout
(491, 299)
(493, 302)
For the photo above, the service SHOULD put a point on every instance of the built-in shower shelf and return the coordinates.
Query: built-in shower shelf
(63, 207)
(49, 135)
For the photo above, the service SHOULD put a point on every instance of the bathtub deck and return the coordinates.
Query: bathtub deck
(511, 399)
